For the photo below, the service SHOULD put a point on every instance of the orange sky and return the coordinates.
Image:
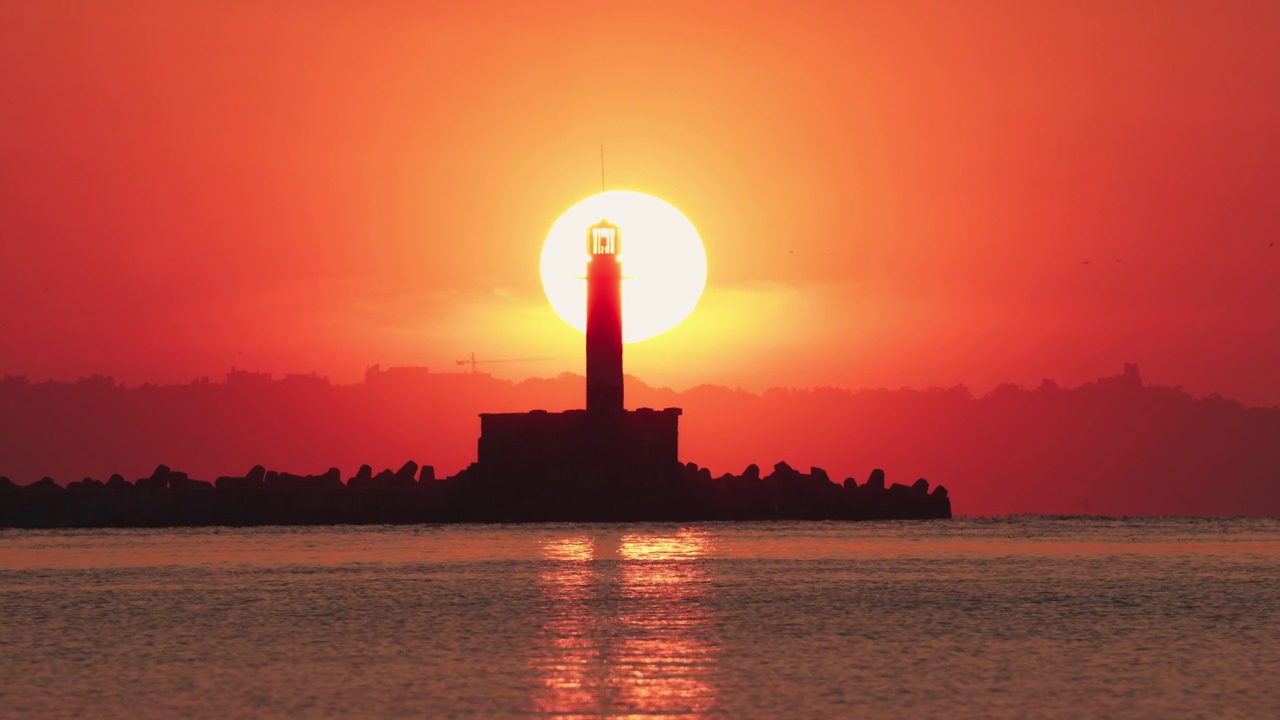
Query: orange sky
(890, 193)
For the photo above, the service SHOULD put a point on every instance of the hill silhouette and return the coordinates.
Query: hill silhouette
(1113, 446)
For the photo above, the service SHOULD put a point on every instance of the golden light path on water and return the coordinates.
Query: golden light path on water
(663, 262)
(626, 633)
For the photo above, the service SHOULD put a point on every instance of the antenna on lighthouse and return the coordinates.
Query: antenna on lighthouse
(602, 168)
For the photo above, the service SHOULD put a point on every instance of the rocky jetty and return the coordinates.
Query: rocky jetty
(412, 494)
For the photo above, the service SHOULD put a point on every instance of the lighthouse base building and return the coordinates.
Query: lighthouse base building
(574, 443)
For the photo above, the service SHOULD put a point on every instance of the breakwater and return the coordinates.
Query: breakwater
(413, 494)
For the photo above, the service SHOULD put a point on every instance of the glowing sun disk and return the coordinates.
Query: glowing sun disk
(662, 257)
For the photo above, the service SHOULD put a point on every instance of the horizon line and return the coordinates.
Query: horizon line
(1129, 374)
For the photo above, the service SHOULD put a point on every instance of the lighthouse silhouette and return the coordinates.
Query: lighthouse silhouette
(604, 320)
(603, 443)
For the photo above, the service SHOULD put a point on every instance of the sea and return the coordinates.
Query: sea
(1017, 617)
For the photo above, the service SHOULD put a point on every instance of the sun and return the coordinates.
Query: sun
(664, 265)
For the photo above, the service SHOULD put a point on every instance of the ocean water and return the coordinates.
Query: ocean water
(982, 618)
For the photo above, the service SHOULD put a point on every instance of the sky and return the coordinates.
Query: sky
(890, 194)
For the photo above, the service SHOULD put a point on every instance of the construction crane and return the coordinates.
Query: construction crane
(473, 362)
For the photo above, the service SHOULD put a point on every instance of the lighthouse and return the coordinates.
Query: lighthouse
(604, 320)
(603, 441)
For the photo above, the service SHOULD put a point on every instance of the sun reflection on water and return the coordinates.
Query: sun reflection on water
(625, 629)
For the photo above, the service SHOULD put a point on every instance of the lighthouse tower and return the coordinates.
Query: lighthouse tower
(604, 320)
